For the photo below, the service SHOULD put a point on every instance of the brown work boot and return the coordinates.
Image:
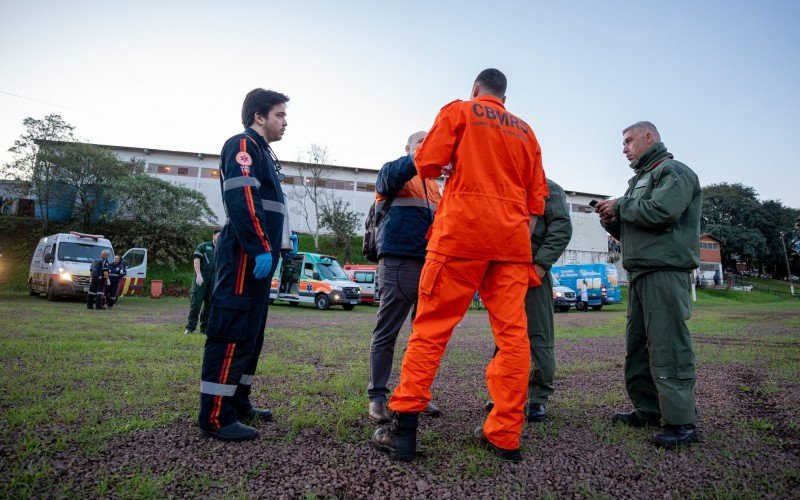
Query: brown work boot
(379, 412)
(432, 410)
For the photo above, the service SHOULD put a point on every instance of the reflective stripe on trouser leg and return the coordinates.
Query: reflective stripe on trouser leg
(539, 312)
(241, 400)
(503, 292)
(446, 287)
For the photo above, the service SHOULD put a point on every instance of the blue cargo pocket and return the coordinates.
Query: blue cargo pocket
(229, 318)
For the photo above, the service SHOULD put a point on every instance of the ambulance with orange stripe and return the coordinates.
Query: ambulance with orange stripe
(61, 264)
(312, 278)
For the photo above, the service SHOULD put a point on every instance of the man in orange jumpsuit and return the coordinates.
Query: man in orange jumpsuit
(480, 240)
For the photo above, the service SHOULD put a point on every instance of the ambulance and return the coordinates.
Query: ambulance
(312, 278)
(366, 276)
(61, 264)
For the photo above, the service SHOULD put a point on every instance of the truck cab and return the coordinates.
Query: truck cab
(564, 297)
(366, 277)
(61, 265)
(310, 278)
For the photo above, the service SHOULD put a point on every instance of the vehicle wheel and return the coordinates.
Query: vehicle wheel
(563, 309)
(51, 293)
(597, 308)
(31, 291)
(294, 304)
(348, 307)
(581, 306)
(322, 302)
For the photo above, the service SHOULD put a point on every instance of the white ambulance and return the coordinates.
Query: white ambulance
(61, 265)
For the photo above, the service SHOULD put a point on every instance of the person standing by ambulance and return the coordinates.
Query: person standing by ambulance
(401, 254)
(480, 240)
(99, 280)
(116, 271)
(247, 253)
(657, 221)
(203, 285)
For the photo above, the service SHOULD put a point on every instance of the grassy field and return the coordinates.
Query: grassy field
(103, 403)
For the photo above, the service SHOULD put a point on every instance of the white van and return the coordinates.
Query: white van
(312, 278)
(61, 265)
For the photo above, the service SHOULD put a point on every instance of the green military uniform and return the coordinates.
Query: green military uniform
(201, 295)
(550, 237)
(658, 223)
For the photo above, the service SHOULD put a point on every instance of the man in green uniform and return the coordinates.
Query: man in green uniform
(658, 223)
(550, 238)
(203, 284)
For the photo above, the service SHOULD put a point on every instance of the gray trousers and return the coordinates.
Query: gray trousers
(539, 310)
(398, 280)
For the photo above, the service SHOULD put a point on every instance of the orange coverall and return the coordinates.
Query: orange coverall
(480, 239)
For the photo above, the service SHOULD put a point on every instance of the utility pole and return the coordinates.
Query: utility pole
(788, 269)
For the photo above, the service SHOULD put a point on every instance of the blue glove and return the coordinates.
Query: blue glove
(263, 265)
(291, 253)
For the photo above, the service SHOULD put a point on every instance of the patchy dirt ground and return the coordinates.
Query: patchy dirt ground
(749, 420)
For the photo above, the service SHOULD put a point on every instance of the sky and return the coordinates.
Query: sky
(719, 79)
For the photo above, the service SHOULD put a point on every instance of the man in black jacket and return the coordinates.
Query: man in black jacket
(401, 254)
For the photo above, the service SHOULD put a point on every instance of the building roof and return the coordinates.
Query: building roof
(706, 235)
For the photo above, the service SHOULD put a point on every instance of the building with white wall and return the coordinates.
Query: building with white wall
(200, 171)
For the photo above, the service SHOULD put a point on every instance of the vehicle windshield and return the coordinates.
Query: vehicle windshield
(81, 252)
(556, 281)
(330, 270)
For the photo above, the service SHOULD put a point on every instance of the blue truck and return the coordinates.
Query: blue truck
(602, 282)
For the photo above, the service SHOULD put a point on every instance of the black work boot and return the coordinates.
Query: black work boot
(506, 455)
(536, 412)
(399, 440)
(236, 431)
(673, 436)
(488, 406)
(255, 415)
(634, 420)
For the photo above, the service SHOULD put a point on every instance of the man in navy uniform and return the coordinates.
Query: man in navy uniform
(246, 256)
(116, 271)
(100, 279)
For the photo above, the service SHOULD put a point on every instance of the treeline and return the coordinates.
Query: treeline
(750, 229)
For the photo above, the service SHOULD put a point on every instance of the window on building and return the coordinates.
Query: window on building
(183, 171)
(364, 186)
(209, 173)
(177, 170)
(708, 245)
(164, 169)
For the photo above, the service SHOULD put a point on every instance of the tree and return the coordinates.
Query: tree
(776, 219)
(312, 194)
(732, 214)
(89, 170)
(167, 219)
(33, 160)
(343, 223)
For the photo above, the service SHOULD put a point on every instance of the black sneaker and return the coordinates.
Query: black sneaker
(236, 431)
(632, 419)
(673, 436)
(506, 455)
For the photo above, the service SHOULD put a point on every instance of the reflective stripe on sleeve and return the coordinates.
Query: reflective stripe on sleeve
(238, 182)
(273, 206)
(246, 380)
(215, 389)
(408, 202)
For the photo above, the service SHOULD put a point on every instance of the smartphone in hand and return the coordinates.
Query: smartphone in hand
(593, 203)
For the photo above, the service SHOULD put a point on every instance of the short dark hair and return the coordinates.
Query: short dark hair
(260, 101)
(493, 80)
(217, 230)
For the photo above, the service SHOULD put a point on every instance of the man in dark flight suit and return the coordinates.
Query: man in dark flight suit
(246, 256)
